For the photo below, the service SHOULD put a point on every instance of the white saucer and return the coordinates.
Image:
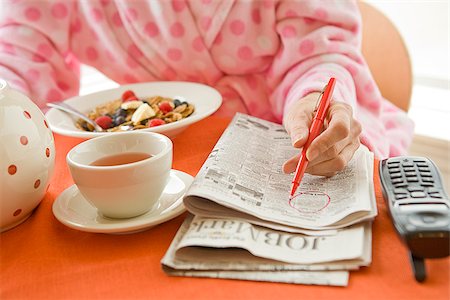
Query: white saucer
(72, 209)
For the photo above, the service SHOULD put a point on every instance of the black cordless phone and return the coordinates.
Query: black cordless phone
(419, 207)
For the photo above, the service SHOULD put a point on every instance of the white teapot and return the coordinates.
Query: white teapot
(27, 157)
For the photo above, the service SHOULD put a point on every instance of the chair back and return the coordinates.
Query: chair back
(387, 56)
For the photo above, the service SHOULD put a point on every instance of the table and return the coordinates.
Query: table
(43, 259)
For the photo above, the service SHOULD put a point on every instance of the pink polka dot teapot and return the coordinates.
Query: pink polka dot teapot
(27, 157)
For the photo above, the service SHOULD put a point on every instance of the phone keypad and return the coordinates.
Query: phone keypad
(412, 178)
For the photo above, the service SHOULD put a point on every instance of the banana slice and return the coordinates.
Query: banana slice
(131, 104)
(143, 112)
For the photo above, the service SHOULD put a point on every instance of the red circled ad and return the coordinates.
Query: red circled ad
(310, 201)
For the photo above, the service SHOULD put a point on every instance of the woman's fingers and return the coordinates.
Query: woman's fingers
(291, 164)
(331, 151)
(328, 167)
(337, 130)
(299, 131)
(338, 163)
(342, 133)
(298, 119)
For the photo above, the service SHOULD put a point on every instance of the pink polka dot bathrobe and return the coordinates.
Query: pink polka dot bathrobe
(261, 55)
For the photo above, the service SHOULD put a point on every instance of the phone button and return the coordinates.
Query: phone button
(428, 220)
(418, 194)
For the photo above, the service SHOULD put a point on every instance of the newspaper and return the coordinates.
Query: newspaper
(334, 278)
(224, 248)
(242, 179)
(244, 226)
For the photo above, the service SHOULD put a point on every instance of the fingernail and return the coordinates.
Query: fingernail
(286, 168)
(297, 139)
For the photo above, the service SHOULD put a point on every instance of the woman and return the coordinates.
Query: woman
(267, 58)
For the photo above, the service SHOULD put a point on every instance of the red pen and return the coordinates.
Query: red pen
(314, 131)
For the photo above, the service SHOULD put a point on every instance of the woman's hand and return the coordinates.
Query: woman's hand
(330, 152)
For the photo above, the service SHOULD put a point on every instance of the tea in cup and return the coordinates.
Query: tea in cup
(122, 174)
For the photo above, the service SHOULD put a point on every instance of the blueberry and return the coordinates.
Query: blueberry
(176, 102)
(118, 120)
(120, 113)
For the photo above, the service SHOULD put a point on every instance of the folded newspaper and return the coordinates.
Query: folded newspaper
(246, 227)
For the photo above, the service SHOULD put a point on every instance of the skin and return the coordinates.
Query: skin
(331, 151)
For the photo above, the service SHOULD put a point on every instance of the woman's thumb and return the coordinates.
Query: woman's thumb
(299, 135)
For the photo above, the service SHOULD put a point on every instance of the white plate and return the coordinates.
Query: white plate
(72, 209)
(205, 99)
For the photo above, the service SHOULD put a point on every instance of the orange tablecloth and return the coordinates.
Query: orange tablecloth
(43, 259)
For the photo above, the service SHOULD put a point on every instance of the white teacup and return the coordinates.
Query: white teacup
(119, 187)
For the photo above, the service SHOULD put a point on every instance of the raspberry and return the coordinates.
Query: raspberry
(127, 94)
(104, 122)
(155, 122)
(165, 107)
(131, 98)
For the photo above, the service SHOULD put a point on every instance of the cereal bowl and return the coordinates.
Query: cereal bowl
(205, 99)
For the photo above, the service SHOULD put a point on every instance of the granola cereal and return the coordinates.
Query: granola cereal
(131, 113)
